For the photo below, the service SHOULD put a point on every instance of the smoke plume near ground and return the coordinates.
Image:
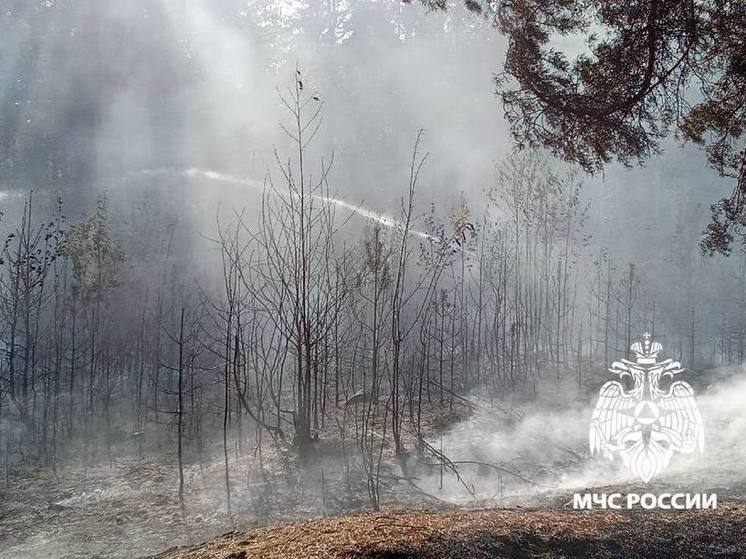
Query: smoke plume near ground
(543, 447)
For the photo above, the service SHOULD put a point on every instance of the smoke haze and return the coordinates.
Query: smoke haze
(156, 137)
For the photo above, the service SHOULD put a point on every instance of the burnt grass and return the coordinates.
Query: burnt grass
(491, 533)
(129, 509)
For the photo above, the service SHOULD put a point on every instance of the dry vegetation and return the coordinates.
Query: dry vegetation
(491, 533)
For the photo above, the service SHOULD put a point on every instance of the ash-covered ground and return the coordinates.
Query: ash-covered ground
(519, 458)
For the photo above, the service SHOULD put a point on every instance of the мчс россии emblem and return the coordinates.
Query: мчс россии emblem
(646, 424)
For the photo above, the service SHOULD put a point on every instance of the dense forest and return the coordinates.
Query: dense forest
(280, 242)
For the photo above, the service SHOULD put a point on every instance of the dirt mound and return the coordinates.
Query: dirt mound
(504, 533)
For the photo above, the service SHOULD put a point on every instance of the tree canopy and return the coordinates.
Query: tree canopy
(650, 68)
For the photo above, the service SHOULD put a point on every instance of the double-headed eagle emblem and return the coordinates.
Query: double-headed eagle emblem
(646, 424)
